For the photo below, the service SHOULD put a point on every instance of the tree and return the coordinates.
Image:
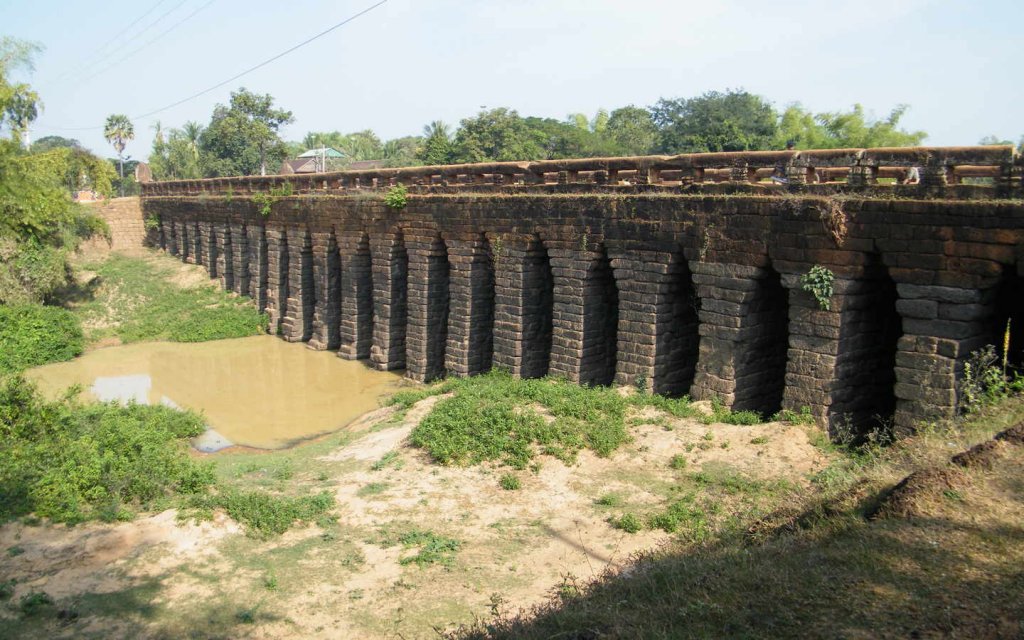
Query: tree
(39, 224)
(854, 129)
(19, 104)
(437, 144)
(118, 131)
(243, 137)
(730, 121)
(495, 135)
(632, 131)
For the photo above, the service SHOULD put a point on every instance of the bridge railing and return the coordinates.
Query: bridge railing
(996, 166)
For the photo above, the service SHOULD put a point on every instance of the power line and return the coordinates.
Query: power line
(108, 42)
(149, 42)
(141, 32)
(238, 75)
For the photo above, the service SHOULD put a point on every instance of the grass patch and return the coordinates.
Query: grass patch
(138, 302)
(627, 522)
(265, 515)
(510, 482)
(493, 417)
(431, 548)
(372, 489)
(390, 459)
(610, 500)
(32, 334)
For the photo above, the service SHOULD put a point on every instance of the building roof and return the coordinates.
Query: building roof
(316, 153)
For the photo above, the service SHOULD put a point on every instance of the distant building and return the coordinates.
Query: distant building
(314, 161)
(325, 159)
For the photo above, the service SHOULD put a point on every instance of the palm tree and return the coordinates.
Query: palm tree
(118, 131)
(192, 131)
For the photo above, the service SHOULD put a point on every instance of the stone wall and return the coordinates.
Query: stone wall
(679, 292)
(124, 218)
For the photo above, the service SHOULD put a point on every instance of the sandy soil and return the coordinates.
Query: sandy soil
(516, 546)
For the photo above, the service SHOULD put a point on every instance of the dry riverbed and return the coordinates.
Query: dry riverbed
(415, 546)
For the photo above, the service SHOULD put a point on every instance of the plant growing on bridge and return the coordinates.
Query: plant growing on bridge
(818, 282)
(396, 197)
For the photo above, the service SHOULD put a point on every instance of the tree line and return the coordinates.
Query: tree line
(243, 137)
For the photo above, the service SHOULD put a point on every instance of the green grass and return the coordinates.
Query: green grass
(372, 489)
(265, 515)
(140, 303)
(31, 335)
(492, 417)
(510, 482)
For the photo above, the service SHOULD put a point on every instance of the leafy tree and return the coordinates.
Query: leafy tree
(437, 143)
(49, 143)
(402, 152)
(496, 135)
(19, 103)
(993, 140)
(243, 137)
(176, 154)
(730, 121)
(854, 129)
(39, 224)
(632, 131)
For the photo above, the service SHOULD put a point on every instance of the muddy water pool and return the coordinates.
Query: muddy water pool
(259, 392)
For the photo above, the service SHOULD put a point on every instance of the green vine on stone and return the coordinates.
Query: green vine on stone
(152, 223)
(818, 282)
(396, 197)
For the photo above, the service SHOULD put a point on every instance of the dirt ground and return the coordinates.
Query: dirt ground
(157, 577)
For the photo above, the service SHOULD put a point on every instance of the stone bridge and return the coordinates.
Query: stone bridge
(681, 274)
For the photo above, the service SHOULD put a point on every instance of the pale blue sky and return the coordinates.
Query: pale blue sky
(957, 64)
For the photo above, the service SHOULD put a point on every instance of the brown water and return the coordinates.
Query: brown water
(259, 392)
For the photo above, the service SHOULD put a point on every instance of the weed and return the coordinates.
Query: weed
(804, 416)
(759, 440)
(391, 458)
(16, 550)
(372, 489)
(510, 482)
(246, 616)
(34, 603)
(627, 522)
(609, 500)
(270, 582)
(266, 515)
(682, 514)
(7, 589)
(397, 197)
(709, 436)
(432, 548)
(818, 282)
(677, 462)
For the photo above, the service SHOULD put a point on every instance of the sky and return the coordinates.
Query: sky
(408, 62)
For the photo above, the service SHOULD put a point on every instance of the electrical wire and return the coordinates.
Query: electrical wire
(149, 42)
(103, 46)
(238, 75)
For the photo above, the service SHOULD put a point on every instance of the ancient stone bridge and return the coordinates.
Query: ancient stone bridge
(681, 274)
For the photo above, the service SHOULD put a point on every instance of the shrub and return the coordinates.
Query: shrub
(72, 463)
(627, 522)
(396, 197)
(32, 335)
